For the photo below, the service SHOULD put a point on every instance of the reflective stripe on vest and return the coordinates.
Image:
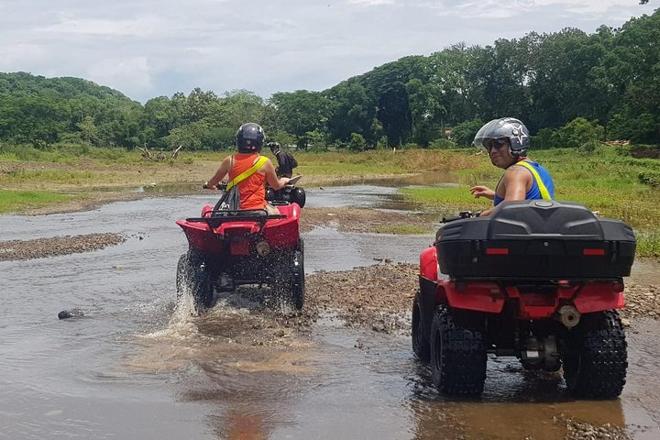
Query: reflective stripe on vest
(542, 188)
(247, 173)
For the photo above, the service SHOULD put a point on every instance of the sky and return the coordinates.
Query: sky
(149, 48)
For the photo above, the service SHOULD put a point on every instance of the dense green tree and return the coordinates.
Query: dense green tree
(352, 110)
(301, 112)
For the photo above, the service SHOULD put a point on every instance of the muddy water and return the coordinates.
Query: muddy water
(139, 366)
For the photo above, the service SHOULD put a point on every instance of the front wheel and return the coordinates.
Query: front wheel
(420, 341)
(458, 352)
(595, 356)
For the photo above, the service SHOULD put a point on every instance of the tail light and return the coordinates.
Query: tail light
(497, 251)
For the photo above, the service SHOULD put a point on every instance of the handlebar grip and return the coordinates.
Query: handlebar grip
(219, 186)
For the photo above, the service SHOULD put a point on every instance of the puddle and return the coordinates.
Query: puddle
(427, 178)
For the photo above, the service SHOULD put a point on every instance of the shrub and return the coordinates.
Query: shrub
(383, 143)
(651, 178)
(579, 131)
(589, 147)
(546, 138)
(357, 142)
(442, 143)
(463, 133)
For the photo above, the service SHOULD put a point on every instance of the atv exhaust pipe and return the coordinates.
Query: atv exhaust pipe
(569, 316)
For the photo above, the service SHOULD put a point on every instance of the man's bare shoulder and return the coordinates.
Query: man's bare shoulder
(517, 173)
(517, 170)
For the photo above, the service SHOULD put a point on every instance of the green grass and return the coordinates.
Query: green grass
(403, 229)
(14, 201)
(66, 154)
(648, 243)
(443, 197)
(56, 176)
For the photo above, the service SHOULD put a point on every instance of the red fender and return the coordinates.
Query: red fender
(598, 297)
(478, 296)
(428, 263)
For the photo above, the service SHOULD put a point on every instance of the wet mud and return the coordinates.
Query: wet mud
(50, 247)
(642, 300)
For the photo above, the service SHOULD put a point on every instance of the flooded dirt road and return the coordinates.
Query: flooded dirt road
(138, 366)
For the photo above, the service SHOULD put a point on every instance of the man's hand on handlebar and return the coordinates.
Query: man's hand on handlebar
(461, 215)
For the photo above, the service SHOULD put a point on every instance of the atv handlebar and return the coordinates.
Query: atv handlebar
(219, 186)
(461, 216)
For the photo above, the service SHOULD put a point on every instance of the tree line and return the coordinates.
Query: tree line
(569, 87)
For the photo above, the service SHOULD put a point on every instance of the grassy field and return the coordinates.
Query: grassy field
(23, 200)
(606, 180)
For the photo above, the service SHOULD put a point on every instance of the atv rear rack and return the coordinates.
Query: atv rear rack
(218, 217)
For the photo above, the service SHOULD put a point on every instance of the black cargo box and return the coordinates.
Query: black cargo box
(536, 239)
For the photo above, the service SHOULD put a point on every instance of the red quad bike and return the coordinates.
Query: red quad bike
(232, 248)
(539, 280)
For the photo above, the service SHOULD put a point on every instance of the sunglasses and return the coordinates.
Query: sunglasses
(496, 144)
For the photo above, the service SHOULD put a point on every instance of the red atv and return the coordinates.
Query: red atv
(232, 248)
(539, 280)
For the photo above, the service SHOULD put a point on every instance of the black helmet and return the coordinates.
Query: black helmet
(274, 146)
(250, 138)
(504, 128)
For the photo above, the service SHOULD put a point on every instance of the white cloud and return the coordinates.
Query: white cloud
(515, 8)
(140, 27)
(371, 2)
(130, 75)
(157, 47)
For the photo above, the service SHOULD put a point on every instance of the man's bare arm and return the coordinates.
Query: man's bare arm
(220, 174)
(271, 177)
(516, 182)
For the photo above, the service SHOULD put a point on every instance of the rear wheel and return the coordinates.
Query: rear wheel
(193, 278)
(458, 352)
(420, 341)
(289, 278)
(298, 284)
(595, 356)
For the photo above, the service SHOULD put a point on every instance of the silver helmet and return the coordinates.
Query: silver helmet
(504, 128)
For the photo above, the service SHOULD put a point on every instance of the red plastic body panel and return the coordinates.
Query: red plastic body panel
(479, 296)
(428, 263)
(281, 233)
(594, 297)
(490, 296)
